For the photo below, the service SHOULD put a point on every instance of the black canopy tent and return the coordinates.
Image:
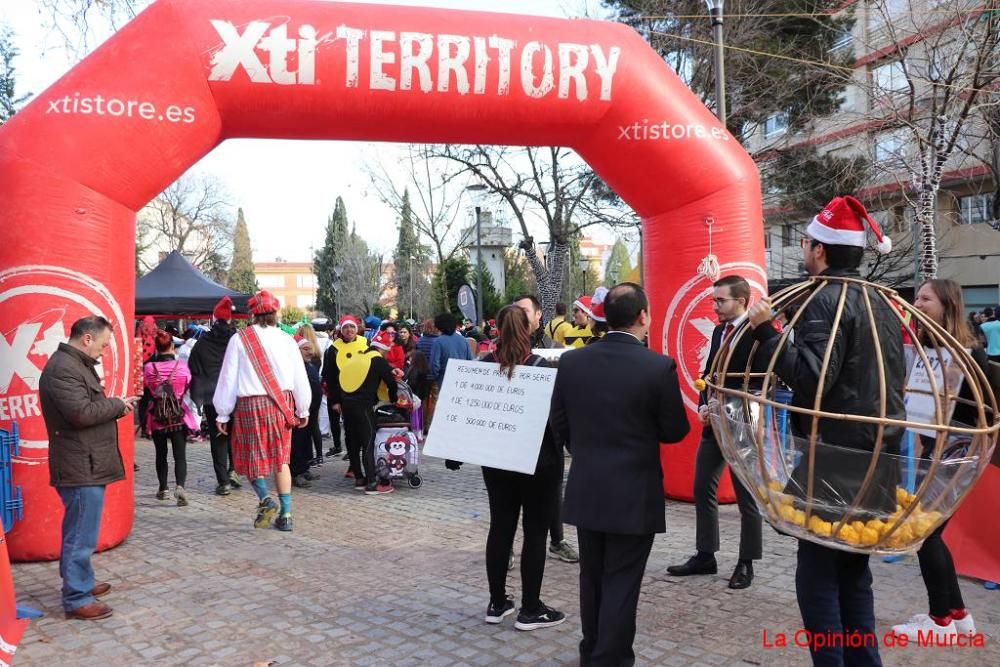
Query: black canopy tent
(176, 288)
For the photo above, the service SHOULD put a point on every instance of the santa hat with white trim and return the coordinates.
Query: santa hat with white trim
(584, 304)
(597, 304)
(842, 222)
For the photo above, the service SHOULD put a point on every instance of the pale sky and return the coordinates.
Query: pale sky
(286, 210)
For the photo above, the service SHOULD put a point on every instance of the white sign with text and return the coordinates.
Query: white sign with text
(919, 398)
(483, 417)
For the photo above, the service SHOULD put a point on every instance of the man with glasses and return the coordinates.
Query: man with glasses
(730, 300)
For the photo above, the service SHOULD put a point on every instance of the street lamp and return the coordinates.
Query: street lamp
(477, 190)
(411, 285)
(584, 268)
(715, 9)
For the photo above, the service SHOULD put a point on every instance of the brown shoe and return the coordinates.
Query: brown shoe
(100, 589)
(90, 612)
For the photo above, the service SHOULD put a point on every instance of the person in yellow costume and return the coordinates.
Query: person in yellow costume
(341, 352)
(558, 326)
(581, 333)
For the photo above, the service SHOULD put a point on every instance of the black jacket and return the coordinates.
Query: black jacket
(851, 387)
(613, 404)
(738, 361)
(205, 362)
(81, 422)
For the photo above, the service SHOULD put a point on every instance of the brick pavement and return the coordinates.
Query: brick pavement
(400, 580)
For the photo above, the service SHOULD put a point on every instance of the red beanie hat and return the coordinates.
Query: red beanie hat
(263, 302)
(382, 340)
(223, 309)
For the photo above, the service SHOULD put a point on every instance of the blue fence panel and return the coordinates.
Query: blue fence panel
(11, 505)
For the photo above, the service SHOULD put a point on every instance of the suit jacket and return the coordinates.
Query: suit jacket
(738, 362)
(613, 404)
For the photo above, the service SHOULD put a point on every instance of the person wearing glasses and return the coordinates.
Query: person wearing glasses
(731, 297)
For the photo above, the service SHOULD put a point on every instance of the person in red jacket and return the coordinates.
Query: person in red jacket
(395, 355)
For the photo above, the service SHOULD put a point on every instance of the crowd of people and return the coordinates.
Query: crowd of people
(266, 395)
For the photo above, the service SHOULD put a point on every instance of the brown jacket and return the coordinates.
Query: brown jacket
(81, 421)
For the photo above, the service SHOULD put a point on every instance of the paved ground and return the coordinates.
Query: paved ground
(400, 579)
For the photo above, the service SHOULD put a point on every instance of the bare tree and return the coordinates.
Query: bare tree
(925, 93)
(362, 285)
(551, 185)
(77, 22)
(193, 217)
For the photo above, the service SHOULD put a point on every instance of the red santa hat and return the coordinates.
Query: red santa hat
(263, 302)
(223, 309)
(597, 304)
(382, 341)
(348, 321)
(842, 222)
(584, 304)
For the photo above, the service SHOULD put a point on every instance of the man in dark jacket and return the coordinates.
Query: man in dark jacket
(83, 456)
(205, 363)
(613, 404)
(730, 299)
(834, 588)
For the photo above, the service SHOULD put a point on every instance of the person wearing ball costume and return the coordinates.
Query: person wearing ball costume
(347, 345)
(580, 334)
(365, 379)
(834, 587)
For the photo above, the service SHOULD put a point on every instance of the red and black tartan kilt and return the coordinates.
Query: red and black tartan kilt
(260, 439)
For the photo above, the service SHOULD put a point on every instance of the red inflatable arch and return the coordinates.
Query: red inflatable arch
(80, 160)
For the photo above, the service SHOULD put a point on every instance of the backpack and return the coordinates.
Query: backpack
(167, 407)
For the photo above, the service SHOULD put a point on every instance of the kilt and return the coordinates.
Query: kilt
(261, 442)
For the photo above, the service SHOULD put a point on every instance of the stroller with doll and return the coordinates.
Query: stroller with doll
(398, 436)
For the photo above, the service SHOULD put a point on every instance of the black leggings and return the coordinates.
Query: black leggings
(314, 433)
(178, 442)
(359, 433)
(222, 453)
(334, 423)
(508, 493)
(938, 572)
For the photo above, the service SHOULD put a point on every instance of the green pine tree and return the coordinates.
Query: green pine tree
(330, 259)
(410, 261)
(242, 276)
(450, 275)
(518, 275)
(8, 101)
(619, 265)
(492, 299)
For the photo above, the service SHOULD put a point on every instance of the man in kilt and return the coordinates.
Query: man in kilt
(264, 391)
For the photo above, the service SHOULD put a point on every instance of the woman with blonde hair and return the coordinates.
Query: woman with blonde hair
(941, 300)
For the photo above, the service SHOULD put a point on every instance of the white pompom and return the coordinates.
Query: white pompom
(885, 246)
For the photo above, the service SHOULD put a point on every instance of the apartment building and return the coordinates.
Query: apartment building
(904, 55)
(294, 283)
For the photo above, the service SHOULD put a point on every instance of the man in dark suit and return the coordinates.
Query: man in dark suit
(613, 404)
(730, 300)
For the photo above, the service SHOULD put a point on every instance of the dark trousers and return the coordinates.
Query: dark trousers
(611, 569)
(222, 453)
(556, 526)
(81, 522)
(178, 443)
(302, 450)
(334, 424)
(834, 590)
(510, 493)
(359, 434)
(708, 468)
(938, 571)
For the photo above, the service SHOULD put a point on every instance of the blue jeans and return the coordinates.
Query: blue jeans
(79, 540)
(834, 590)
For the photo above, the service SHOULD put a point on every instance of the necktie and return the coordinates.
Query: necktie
(727, 331)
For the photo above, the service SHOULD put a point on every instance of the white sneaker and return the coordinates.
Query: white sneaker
(922, 623)
(966, 625)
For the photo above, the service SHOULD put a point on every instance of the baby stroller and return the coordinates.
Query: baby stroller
(398, 438)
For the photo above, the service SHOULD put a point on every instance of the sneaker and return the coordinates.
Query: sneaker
(349, 474)
(301, 482)
(223, 489)
(922, 625)
(234, 480)
(318, 461)
(182, 499)
(360, 485)
(311, 476)
(161, 494)
(284, 523)
(379, 489)
(543, 617)
(564, 552)
(495, 613)
(265, 512)
(345, 457)
(964, 626)
(332, 452)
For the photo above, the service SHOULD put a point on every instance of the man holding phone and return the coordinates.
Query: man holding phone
(83, 456)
